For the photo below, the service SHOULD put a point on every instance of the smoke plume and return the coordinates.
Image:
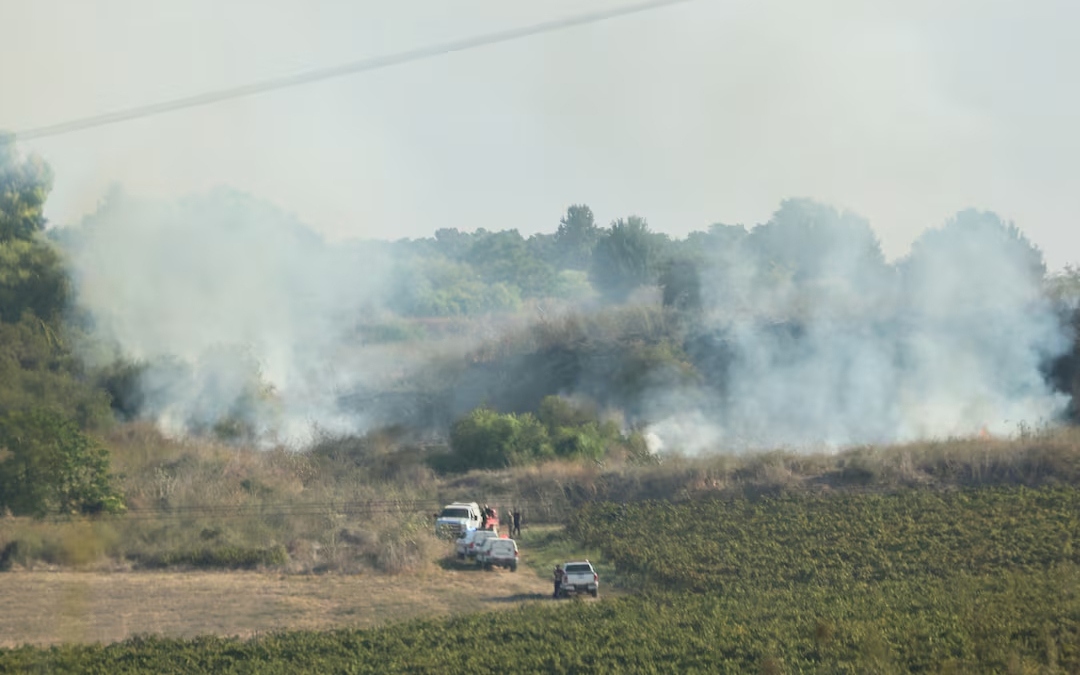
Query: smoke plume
(802, 334)
(236, 309)
(825, 344)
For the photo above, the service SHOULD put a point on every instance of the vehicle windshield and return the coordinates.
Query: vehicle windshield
(455, 513)
(580, 568)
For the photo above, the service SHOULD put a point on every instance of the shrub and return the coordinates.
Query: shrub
(48, 466)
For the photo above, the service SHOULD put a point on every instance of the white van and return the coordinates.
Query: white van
(498, 553)
(476, 540)
(462, 545)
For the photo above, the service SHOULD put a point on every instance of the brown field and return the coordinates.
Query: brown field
(53, 607)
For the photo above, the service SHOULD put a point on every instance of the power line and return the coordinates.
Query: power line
(342, 70)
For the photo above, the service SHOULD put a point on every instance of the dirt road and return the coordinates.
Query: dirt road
(52, 607)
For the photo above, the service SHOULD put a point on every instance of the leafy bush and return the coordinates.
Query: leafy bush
(48, 466)
(226, 557)
(487, 439)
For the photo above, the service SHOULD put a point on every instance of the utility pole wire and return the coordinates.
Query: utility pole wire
(353, 68)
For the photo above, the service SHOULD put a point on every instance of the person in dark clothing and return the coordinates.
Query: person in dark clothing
(515, 529)
(558, 581)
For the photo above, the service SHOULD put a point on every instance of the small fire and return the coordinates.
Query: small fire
(984, 433)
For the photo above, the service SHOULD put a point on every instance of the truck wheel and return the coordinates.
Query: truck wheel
(488, 566)
(595, 593)
(513, 567)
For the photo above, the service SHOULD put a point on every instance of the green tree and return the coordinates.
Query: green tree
(32, 279)
(439, 287)
(486, 439)
(47, 466)
(680, 283)
(24, 186)
(624, 258)
(815, 242)
(980, 242)
(504, 257)
(453, 243)
(576, 238)
(38, 370)
(37, 367)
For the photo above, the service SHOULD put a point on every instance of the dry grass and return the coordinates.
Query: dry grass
(53, 607)
(202, 501)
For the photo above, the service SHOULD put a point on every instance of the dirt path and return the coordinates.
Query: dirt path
(53, 607)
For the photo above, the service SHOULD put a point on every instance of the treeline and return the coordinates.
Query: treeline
(47, 399)
(655, 315)
(460, 273)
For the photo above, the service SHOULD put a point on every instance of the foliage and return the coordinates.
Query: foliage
(32, 280)
(38, 370)
(680, 283)
(998, 261)
(504, 257)
(220, 557)
(487, 439)
(49, 466)
(576, 237)
(625, 258)
(815, 242)
(24, 186)
(440, 287)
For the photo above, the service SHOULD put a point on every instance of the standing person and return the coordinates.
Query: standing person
(558, 581)
(515, 529)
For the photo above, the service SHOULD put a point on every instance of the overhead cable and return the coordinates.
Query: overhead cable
(353, 68)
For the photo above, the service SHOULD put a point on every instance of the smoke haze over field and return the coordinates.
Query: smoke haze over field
(805, 336)
(953, 340)
(240, 295)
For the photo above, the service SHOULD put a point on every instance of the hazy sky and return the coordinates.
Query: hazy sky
(714, 110)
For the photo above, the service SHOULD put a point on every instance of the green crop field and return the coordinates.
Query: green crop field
(731, 546)
(976, 581)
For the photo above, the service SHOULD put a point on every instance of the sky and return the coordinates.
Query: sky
(708, 111)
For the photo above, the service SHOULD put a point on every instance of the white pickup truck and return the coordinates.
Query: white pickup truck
(458, 518)
(498, 552)
(579, 577)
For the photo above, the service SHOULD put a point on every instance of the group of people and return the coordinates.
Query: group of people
(491, 517)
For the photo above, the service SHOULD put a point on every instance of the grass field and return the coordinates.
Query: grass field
(47, 608)
(973, 581)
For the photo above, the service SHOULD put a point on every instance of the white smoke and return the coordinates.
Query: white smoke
(238, 308)
(828, 345)
(809, 337)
